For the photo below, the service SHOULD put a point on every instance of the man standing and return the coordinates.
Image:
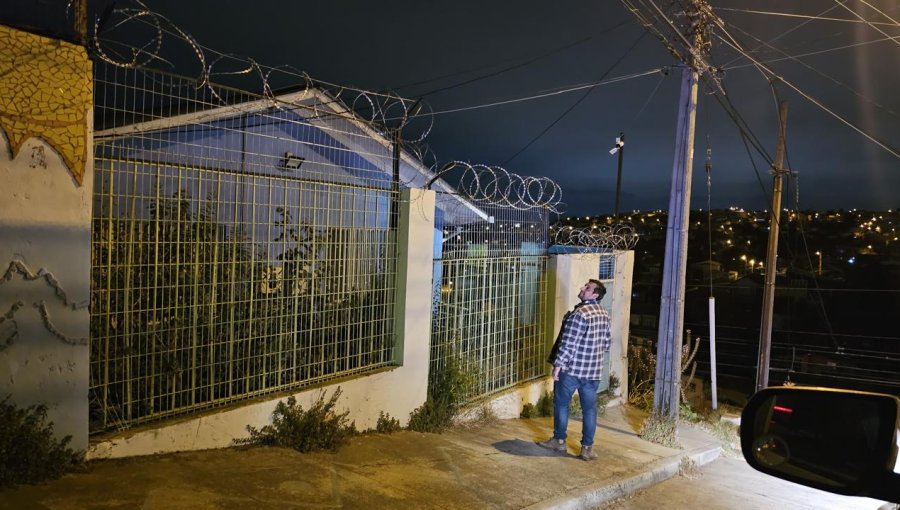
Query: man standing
(584, 339)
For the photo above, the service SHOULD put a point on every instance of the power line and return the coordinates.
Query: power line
(763, 68)
(820, 73)
(804, 16)
(829, 289)
(510, 68)
(800, 332)
(552, 93)
(576, 103)
(647, 102)
(867, 22)
(811, 53)
(783, 34)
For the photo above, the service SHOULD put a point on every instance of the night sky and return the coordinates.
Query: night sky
(416, 48)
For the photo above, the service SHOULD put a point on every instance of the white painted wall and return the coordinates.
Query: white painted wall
(396, 391)
(568, 273)
(618, 302)
(45, 229)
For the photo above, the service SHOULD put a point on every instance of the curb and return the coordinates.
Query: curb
(658, 471)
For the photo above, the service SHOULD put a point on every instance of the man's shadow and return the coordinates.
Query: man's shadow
(524, 448)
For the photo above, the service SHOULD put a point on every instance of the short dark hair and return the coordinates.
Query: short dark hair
(598, 287)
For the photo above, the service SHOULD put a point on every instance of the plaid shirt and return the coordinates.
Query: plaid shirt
(585, 337)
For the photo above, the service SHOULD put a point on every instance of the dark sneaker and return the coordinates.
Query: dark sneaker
(557, 445)
(587, 453)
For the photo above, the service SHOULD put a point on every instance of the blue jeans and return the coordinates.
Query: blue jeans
(563, 389)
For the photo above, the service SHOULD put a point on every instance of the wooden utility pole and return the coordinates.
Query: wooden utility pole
(686, 34)
(671, 309)
(765, 327)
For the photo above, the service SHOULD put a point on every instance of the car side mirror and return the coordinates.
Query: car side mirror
(840, 441)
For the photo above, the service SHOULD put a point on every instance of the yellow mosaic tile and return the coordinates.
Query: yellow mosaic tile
(45, 92)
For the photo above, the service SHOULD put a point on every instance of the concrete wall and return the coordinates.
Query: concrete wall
(396, 391)
(618, 302)
(568, 273)
(45, 212)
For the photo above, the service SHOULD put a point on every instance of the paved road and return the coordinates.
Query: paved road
(730, 484)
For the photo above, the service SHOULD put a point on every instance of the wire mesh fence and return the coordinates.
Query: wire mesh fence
(491, 286)
(240, 246)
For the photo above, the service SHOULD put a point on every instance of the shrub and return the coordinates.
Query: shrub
(543, 407)
(545, 404)
(29, 452)
(528, 411)
(386, 424)
(318, 428)
(448, 391)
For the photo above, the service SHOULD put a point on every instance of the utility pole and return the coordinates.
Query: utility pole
(671, 308)
(765, 327)
(686, 34)
(620, 148)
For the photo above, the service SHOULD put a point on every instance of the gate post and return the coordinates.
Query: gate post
(412, 309)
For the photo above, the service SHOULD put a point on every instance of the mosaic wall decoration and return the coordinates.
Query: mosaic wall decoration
(45, 92)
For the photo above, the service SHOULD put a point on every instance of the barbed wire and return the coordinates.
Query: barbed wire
(404, 120)
(499, 186)
(386, 111)
(621, 236)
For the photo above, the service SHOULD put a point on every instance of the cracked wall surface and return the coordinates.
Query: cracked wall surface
(45, 210)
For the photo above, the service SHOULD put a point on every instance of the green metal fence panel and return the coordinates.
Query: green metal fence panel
(223, 269)
(490, 293)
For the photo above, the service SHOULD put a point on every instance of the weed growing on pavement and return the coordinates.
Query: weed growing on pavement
(448, 391)
(660, 429)
(723, 430)
(318, 428)
(606, 396)
(29, 452)
(477, 417)
(688, 468)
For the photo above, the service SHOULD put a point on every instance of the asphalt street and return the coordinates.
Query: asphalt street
(728, 483)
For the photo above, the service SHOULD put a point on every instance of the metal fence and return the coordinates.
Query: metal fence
(240, 246)
(490, 291)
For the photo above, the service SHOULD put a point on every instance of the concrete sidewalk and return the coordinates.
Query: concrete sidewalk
(492, 466)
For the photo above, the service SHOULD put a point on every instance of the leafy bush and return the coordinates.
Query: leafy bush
(543, 407)
(318, 428)
(688, 414)
(29, 452)
(448, 391)
(386, 424)
(528, 411)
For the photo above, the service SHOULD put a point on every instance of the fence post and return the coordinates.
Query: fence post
(412, 308)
